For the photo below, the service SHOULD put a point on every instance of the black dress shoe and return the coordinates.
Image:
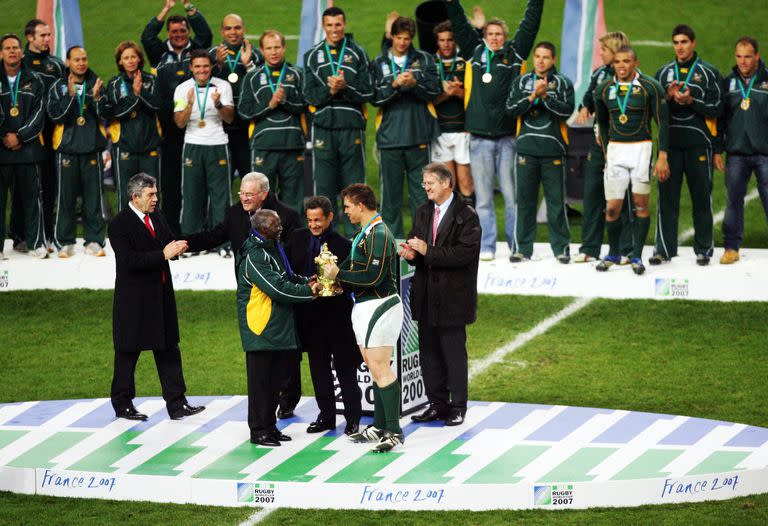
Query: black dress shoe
(130, 413)
(430, 415)
(455, 417)
(318, 426)
(282, 414)
(265, 439)
(277, 435)
(185, 410)
(351, 428)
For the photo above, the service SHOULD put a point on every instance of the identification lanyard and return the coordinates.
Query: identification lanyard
(395, 70)
(442, 69)
(272, 86)
(488, 57)
(335, 67)
(690, 73)
(232, 64)
(200, 106)
(375, 219)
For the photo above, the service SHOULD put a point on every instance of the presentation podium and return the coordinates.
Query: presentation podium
(405, 360)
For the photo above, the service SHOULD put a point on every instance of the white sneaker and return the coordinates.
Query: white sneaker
(583, 258)
(40, 252)
(94, 249)
(487, 256)
(388, 441)
(67, 251)
(625, 261)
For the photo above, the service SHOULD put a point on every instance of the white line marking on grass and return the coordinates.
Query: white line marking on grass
(717, 218)
(257, 37)
(479, 366)
(651, 43)
(258, 516)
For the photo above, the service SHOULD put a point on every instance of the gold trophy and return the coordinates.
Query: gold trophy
(331, 287)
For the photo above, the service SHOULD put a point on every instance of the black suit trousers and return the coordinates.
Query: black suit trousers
(443, 357)
(264, 370)
(290, 384)
(168, 363)
(345, 358)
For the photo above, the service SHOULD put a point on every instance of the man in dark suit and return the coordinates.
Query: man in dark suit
(444, 246)
(255, 195)
(144, 311)
(325, 325)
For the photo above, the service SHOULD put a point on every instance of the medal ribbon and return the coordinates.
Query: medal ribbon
(623, 105)
(272, 86)
(744, 94)
(201, 107)
(336, 67)
(488, 57)
(81, 98)
(442, 69)
(373, 222)
(395, 71)
(233, 64)
(14, 89)
(690, 72)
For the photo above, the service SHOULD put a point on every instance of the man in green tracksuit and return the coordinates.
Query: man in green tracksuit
(405, 82)
(21, 152)
(170, 58)
(134, 99)
(692, 89)
(625, 107)
(267, 288)
(495, 62)
(337, 84)
(542, 101)
(271, 98)
(593, 211)
(76, 106)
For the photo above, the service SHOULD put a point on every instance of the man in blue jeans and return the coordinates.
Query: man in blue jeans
(744, 137)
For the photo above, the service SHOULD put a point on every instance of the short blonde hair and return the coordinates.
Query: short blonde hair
(272, 33)
(614, 40)
(497, 22)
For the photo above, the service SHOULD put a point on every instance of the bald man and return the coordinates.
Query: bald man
(232, 59)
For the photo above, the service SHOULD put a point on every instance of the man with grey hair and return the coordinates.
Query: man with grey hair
(267, 289)
(144, 312)
(444, 246)
(254, 195)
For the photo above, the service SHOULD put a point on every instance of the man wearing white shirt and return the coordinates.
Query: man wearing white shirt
(444, 246)
(201, 104)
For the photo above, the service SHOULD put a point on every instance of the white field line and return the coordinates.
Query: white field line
(687, 235)
(479, 366)
(258, 516)
(256, 38)
(651, 43)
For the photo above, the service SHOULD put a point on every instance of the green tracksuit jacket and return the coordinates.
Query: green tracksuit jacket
(63, 110)
(133, 123)
(28, 124)
(744, 132)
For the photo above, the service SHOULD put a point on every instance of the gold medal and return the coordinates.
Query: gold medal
(14, 111)
(80, 121)
(201, 124)
(232, 78)
(623, 118)
(487, 78)
(133, 114)
(744, 104)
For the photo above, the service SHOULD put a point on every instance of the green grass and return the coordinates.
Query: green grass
(716, 27)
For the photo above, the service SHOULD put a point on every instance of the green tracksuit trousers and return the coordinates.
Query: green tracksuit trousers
(285, 171)
(395, 165)
(79, 174)
(23, 182)
(205, 185)
(128, 164)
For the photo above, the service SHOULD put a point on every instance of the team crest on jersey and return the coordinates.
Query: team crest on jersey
(375, 262)
(290, 77)
(124, 156)
(521, 160)
(764, 85)
(505, 61)
(385, 69)
(49, 68)
(697, 77)
(263, 79)
(188, 162)
(66, 163)
(460, 66)
(319, 143)
(552, 85)
(347, 59)
(635, 90)
(27, 87)
(147, 84)
(415, 64)
(258, 161)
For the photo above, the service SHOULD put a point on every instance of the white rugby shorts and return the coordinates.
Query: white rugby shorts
(451, 146)
(377, 323)
(627, 162)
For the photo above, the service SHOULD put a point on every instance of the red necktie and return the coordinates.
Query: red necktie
(435, 221)
(151, 231)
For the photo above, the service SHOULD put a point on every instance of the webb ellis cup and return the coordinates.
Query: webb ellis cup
(331, 287)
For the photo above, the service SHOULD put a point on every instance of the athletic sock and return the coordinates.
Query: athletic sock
(390, 399)
(379, 421)
(614, 236)
(640, 228)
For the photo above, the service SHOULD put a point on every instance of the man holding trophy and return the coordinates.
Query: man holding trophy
(324, 326)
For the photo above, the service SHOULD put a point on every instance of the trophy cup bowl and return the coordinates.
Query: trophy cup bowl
(331, 287)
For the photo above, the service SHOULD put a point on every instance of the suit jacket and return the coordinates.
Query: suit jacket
(332, 315)
(144, 309)
(444, 287)
(236, 226)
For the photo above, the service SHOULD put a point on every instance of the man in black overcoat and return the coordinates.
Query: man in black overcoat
(444, 246)
(325, 325)
(144, 310)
